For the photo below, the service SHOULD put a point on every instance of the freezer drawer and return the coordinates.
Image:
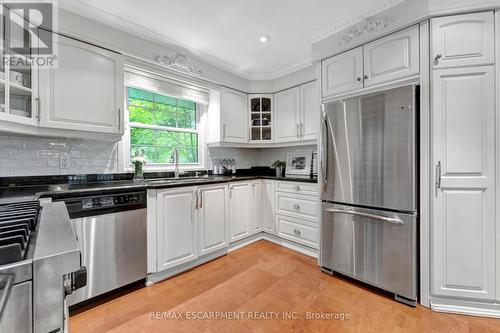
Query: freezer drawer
(375, 247)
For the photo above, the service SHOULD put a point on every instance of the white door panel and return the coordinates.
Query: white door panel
(342, 73)
(213, 221)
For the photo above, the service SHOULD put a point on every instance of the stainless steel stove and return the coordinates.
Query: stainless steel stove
(40, 265)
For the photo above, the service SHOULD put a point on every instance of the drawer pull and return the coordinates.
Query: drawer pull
(296, 206)
(296, 231)
(296, 188)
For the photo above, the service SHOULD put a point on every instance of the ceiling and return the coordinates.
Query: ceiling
(226, 33)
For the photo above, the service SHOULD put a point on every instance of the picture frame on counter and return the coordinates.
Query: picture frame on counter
(298, 163)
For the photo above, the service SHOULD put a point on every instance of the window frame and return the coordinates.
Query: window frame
(124, 147)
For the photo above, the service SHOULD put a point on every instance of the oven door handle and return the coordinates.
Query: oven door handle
(6, 282)
(372, 216)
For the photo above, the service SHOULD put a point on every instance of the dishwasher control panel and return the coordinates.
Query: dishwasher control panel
(113, 200)
(105, 203)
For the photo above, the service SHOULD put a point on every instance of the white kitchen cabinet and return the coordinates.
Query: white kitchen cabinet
(268, 221)
(463, 40)
(309, 111)
(287, 117)
(177, 227)
(238, 211)
(463, 216)
(391, 58)
(85, 92)
(233, 106)
(254, 207)
(213, 218)
(342, 73)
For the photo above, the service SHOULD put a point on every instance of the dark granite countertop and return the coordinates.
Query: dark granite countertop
(58, 189)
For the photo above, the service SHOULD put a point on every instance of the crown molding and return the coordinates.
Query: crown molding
(352, 21)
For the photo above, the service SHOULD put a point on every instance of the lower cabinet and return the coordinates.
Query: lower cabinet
(177, 226)
(213, 221)
(254, 207)
(186, 224)
(267, 208)
(190, 222)
(238, 211)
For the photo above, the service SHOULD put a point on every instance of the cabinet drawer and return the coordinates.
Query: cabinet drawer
(291, 230)
(299, 188)
(299, 206)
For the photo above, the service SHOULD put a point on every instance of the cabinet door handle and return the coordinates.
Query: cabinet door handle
(37, 104)
(196, 202)
(438, 177)
(224, 132)
(119, 119)
(296, 188)
(230, 192)
(359, 79)
(296, 206)
(437, 57)
(297, 131)
(201, 199)
(301, 130)
(296, 231)
(366, 77)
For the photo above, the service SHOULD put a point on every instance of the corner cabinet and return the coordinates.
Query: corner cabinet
(261, 112)
(233, 106)
(85, 91)
(297, 113)
(385, 60)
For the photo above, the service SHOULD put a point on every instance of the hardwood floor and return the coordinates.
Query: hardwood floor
(257, 280)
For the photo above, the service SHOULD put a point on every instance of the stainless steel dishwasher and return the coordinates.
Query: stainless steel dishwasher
(111, 234)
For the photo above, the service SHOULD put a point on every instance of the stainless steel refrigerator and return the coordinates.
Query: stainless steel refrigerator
(369, 190)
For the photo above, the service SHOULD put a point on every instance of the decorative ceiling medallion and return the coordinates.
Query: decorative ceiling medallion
(179, 62)
(362, 28)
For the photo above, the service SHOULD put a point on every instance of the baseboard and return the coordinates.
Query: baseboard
(471, 308)
(308, 251)
(276, 240)
(160, 276)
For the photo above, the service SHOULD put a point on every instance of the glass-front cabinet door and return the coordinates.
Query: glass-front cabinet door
(18, 79)
(261, 117)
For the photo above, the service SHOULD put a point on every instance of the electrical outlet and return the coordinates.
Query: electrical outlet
(64, 162)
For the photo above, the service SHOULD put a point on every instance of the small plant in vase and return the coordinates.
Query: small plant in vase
(280, 167)
(138, 161)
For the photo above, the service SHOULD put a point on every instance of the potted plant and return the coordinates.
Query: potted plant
(138, 161)
(280, 167)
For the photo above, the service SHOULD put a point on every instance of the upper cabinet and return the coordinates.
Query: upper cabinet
(297, 113)
(261, 118)
(393, 57)
(81, 97)
(287, 115)
(343, 72)
(384, 60)
(309, 111)
(233, 116)
(462, 40)
(85, 91)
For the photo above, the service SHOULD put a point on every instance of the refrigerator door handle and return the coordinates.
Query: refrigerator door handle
(438, 177)
(324, 148)
(372, 216)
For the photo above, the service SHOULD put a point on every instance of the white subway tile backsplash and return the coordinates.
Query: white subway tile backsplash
(34, 162)
(30, 156)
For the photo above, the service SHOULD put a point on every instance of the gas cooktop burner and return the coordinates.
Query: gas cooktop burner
(17, 223)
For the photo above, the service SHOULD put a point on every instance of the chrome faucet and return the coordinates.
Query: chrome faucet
(174, 158)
